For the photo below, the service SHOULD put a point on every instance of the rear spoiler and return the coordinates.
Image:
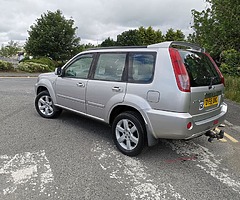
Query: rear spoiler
(176, 44)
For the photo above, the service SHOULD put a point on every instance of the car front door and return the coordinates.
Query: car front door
(71, 86)
(107, 86)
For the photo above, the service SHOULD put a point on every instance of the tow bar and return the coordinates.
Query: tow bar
(214, 134)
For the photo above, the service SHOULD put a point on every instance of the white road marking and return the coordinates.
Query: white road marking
(131, 173)
(17, 77)
(206, 161)
(30, 171)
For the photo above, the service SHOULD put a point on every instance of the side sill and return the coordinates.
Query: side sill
(81, 113)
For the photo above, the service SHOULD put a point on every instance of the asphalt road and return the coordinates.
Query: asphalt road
(233, 115)
(73, 157)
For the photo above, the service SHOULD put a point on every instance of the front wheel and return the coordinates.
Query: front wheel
(45, 106)
(128, 133)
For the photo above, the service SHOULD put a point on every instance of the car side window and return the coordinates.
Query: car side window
(141, 67)
(110, 66)
(80, 67)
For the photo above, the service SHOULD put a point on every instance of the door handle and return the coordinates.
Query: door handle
(80, 84)
(116, 89)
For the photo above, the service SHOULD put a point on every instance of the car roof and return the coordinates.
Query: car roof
(168, 44)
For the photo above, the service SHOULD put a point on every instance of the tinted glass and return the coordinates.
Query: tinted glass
(200, 69)
(110, 66)
(141, 67)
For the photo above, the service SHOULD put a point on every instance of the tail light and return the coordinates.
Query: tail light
(216, 67)
(189, 125)
(180, 71)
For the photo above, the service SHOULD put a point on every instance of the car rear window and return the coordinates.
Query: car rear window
(200, 69)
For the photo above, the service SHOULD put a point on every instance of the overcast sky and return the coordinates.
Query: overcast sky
(97, 19)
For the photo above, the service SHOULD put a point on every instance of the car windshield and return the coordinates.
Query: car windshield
(200, 69)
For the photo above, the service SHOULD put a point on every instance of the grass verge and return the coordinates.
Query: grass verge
(232, 88)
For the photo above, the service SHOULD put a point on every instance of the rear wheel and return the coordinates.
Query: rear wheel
(128, 133)
(45, 106)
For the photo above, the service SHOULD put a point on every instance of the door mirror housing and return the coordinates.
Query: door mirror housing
(58, 71)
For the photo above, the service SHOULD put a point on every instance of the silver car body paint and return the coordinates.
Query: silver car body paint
(165, 109)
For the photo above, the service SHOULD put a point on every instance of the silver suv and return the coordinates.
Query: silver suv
(168, 90)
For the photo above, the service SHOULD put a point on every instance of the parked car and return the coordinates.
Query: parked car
(170, 90)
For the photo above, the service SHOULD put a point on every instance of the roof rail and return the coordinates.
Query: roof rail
(177, 43)
(118, 47)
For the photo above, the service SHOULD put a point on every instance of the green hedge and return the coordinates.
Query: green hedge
(41, 60)
(6, 66)
(34, 67)
(41, 64)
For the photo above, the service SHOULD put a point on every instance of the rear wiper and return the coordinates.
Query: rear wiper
(211, 82)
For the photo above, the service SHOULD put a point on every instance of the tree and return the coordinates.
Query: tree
(84, 47)
(53, 36)
(218, 27)
(230, 62)
(172, 35)
(144, 36)
(108, 42)
(150, 36)
(129, 38)
(136, 37)
(10, 49)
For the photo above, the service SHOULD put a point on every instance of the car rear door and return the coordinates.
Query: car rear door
(107, 87)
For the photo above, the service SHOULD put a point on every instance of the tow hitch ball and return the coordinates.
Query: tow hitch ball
(212, 134)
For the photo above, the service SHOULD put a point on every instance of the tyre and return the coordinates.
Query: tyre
(128, 133)
(45, 106)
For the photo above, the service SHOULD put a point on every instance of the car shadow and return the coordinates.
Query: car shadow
(84, 123)
(166, 151)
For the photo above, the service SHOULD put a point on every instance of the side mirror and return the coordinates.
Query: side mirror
(58, 71)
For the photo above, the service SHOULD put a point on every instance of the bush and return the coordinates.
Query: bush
(230, 62)
(42, 60)
(41, 64)
(6, 66)
(34, 67)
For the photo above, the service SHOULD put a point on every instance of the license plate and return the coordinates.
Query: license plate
(210, 101)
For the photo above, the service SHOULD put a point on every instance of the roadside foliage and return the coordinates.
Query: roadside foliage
(53, 36)
(6, 66)
(217, 29)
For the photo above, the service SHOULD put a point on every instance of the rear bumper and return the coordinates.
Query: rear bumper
(171, 125)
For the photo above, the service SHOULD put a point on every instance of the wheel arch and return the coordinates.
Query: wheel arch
(150, 139)
(120, 109)
(46, 85)
(40, 89)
